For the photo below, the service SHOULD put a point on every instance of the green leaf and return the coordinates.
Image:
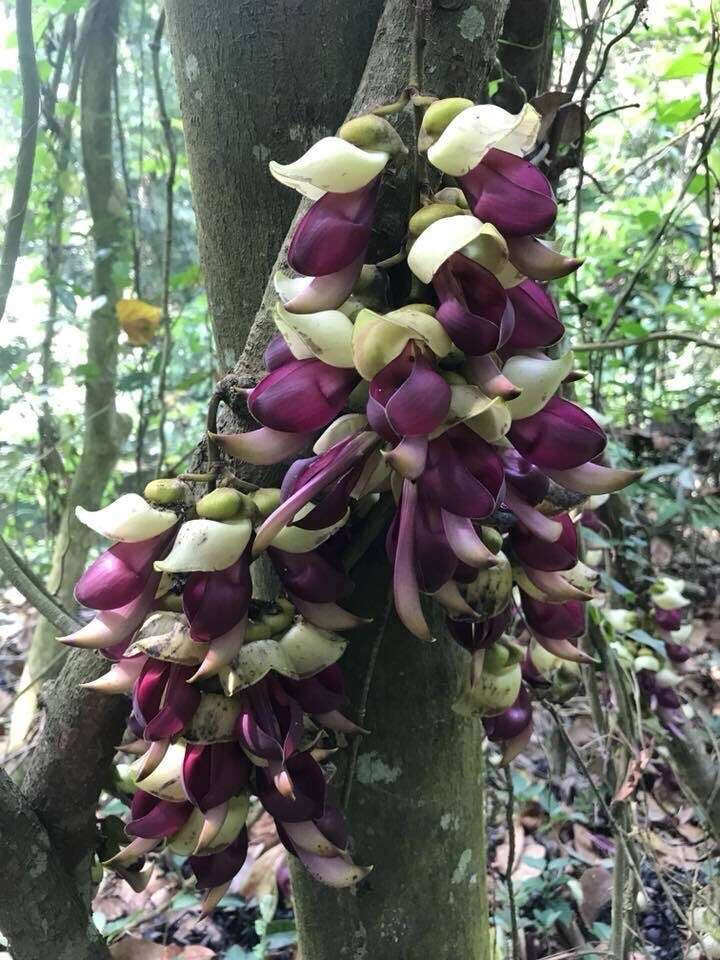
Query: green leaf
(641, 636)
(675, 111)
(686, 65)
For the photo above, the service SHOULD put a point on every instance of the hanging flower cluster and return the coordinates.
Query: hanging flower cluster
(447, 405)
(654, 645)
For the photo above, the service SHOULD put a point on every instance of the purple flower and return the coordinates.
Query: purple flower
(677, 652)
(151, 817)
(667, 619)
(301, 395)
(464, 474)
(474, 309)
(541, 555)
(480, 636)
(217, 869)
(312, 576)
(536, 319)
(556, 625)
(511, 722)
(163, 701)
(334, 232)
(408, 397)
(511, 193)
(212, 773)
(294, 792)
(215, 602)
(119, 575)
(270, 724)
(560, 436)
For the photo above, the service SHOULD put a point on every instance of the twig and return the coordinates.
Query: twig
(26, 152)
(364, 696)
(683, 335)
(167, 247)
(122, 149)
(213, 449)
(640, 6)
(510, 823)
(34, 592)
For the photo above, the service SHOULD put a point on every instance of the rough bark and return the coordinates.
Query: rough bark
(41, 914)
(256, 80)
(71, 763)
(525, 50)
(104, 430)
(417, 803)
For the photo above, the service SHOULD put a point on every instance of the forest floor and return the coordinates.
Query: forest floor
(564, 851)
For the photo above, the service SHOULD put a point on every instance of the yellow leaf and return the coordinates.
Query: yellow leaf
(139, 320)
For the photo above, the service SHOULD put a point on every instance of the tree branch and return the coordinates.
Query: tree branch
(683, 335)
(33, 590)
(26, 153)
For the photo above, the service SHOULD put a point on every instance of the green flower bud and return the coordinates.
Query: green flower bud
(452, 195)
(496, 658)
(490, 591)
(225, 503)
(257, 631)
(281, 618)
(433, 212)
(266, 499)
(373, 133)
(492, 539)
(166, 491)
(491, 693)
(437, 117)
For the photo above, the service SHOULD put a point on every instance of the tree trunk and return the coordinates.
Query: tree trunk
(256, 80)
(526, 50)
(416, 807)
(105, 430)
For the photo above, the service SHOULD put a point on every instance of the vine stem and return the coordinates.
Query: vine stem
(683, 335)
(168, 242)
(510, 823)
(30, 83)
(22, 578)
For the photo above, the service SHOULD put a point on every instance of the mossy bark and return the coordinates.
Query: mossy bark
(104, 429)
(416, 806)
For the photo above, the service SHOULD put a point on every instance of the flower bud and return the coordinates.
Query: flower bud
(491, 693)
(370, 132)
(266, 500)
(221, 504)
(438, 117)
(490, 591)
(166, 491)
(452, 195)
(423, 217)
(492, 539)
(646, 662)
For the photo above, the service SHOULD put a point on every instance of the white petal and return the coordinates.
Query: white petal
(307, 649)
(205, 545)
(299, 540)
(130, 518)
(424, 327)
(339, 429)
(492, 424)
(326, 335)
(621, 620)
(594, 503)
(439, 241)
(166, 779)
(538, 378)
(682, 635)
(670, 600)
(331, 165)
(469, 136)
(287, 288)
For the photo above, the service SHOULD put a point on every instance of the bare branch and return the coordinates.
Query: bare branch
(26, 153)
(683, 335)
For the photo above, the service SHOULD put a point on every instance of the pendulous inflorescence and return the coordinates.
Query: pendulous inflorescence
(446, 406)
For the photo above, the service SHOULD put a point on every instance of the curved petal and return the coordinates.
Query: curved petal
(405, 586)
(439, 241)
(326, 335)
(474, 309)
(536, 319)
(310, 294)
(539, 261)
(420, 404)
(334, 232)
(301, 396)
(465, 542)
(469, 136)
(510, 193)
(557, 621)
(331, 165)
(130, 519)
(593, 478)
(264, 446)
(538, 378)
(119, 574)
(538, 553)
(206, 545)
(561, 436)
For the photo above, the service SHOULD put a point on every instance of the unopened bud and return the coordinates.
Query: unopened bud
(267, 500)
(492, 539)
(373, 133)
(166, 491)
(221, 504)
(451, 195)
(437, 117)
(423, 217)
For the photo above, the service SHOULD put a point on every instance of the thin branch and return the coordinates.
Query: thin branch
(683, 335)
(167, 248)
(510, 824)
(640, 6)
(122, 149)
(34, 592)
(26, 153)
